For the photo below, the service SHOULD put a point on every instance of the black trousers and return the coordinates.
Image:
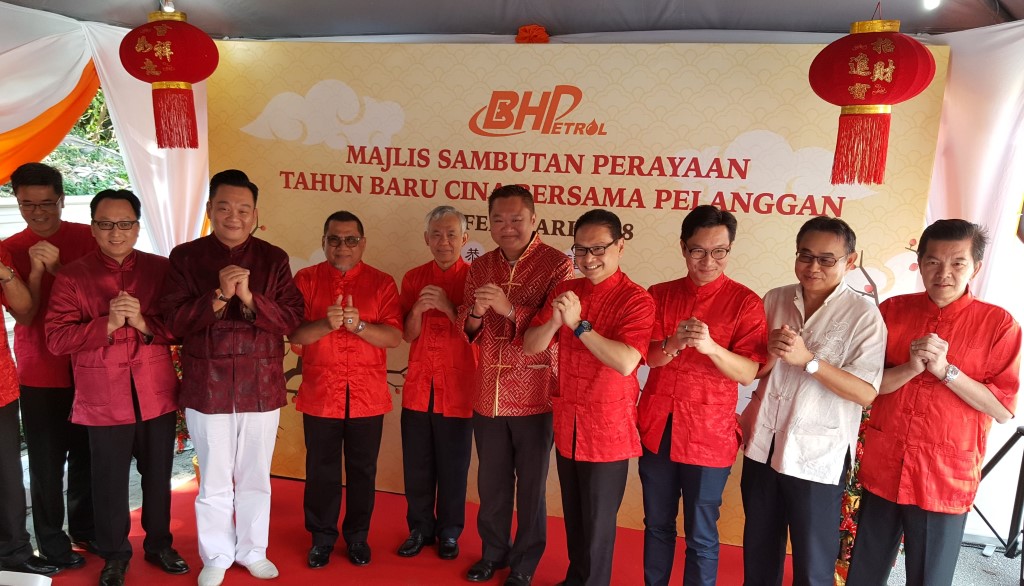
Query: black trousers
(151, 443)
(931, 543)
(700, 487)
(514, 453)
(14, 540)
(358, 438)
(591, 495)
(436, 451)
(53, 441)
(811, 511)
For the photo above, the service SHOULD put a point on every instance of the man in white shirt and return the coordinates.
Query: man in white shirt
(826, 347)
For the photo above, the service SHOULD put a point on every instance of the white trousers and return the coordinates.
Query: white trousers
(233, 506)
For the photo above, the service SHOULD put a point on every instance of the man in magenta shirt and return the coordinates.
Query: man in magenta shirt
(103, 313)
(47, 389)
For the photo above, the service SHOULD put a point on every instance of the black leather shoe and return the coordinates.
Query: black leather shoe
(67, 560)
(319, 556)
(359, 553)
(33, 565)
(414, 544)
(518, 579)
(168, 560)
(483, 570)
(448, 549)
(113, 573)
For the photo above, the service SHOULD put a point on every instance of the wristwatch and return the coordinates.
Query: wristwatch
(951, 373)
(583, 328)
(360, 327)
(812, 366)
(221, 297)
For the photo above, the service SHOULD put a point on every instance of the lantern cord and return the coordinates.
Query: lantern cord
(878, 11)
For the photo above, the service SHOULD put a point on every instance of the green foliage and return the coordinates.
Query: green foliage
(89, 157)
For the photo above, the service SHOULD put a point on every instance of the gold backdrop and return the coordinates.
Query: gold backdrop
(389, 131)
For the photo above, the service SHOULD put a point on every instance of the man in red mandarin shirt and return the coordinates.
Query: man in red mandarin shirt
(47, 389)
(710, 333)
(602, 323)
(437, 398)
(352, 316)
(952, 365)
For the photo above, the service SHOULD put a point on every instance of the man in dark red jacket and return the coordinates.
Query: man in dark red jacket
(231, 299)
(103, 312)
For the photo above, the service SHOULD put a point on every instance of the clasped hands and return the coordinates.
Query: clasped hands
(491, 296)
(234, 280)
(691, 333)
(125, 309)
(788, 344)
(929, 353)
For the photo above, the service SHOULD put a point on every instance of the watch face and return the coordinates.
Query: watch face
(812, 366)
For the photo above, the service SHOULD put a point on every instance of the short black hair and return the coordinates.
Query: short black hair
(954, 230)
(343, 216)
(32, 174)
(601, 218)
(831, 226)
(511, 190)
(234, 178)
(707, 216)
(121, 194)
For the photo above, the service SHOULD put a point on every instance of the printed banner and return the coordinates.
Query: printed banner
(388, 132)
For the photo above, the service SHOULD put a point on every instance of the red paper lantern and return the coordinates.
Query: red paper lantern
(171, 54)
(866, 72)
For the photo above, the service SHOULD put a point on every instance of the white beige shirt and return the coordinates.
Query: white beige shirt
(814, 429)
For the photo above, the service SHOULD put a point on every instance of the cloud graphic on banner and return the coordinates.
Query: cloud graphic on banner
(332, 114)
(775, 167)
(316, 257)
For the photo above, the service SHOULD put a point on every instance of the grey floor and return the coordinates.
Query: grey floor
(973, 568)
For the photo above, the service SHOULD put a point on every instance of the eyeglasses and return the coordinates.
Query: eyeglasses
(580, 251)
(123, 225)
(350, 241)
(825, 261)
(716, 253)
(47, 206)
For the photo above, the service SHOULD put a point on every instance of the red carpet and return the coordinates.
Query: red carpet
(289, 544)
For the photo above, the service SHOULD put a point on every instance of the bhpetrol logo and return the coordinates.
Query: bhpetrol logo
(510, 113)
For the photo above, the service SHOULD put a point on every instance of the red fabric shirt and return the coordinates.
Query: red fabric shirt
(37, 366)
(923, 445)
(593, 404)
(440, 357)
(8, 372)
(76, 324)
(231, 364)
(509, 383)
(690, 388)
(341, 363)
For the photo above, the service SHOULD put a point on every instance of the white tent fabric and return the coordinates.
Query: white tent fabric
(41, 59)
(977, 175)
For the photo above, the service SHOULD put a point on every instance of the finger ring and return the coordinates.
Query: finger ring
(686, 328)
(348, 321)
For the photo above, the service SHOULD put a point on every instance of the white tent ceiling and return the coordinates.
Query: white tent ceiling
(321, 18)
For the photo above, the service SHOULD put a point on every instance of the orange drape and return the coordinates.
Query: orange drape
(36, 139)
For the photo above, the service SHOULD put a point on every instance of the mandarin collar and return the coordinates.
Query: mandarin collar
(126, 264)
(707, 289)
(348, 275)
(438, 272)
(231, 250)
(839, 290)
(954, 308)
(613, 280)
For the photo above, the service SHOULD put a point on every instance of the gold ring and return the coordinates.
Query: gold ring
(348, 321)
